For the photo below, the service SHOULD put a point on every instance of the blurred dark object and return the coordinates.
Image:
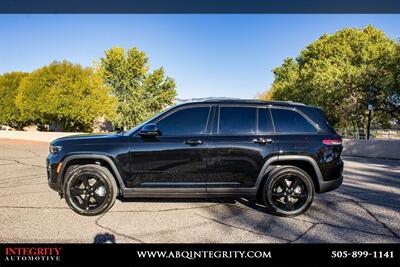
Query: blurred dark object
(104, 238)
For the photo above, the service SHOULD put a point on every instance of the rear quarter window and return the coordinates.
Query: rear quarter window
(290, 121)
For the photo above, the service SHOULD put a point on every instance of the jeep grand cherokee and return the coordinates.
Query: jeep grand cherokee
(280, 153)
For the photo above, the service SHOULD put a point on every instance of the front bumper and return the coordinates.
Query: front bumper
(52, 174)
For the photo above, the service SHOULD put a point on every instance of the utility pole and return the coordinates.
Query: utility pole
(369, 120)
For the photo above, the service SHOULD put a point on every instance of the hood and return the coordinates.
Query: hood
(85, 138)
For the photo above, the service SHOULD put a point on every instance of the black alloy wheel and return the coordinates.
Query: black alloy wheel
(88, 192)
(288, 191)
(89, 189)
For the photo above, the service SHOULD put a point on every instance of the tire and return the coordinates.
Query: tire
(288, 191)
(89, 190)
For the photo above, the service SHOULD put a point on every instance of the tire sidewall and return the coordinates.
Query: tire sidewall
(277, 174)
(106, 178)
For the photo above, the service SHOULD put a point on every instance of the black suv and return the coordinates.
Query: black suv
(278, 152)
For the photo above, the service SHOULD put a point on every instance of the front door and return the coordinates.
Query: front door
(241, 142)
(176, 158)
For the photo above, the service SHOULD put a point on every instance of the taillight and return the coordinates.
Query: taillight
(332, 142)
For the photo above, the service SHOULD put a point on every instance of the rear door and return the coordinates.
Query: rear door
(243, 138)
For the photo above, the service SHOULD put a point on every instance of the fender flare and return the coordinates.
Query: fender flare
(265, 168)
(114, 168)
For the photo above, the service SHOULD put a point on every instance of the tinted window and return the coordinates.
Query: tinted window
(264, 121)
(184, 122)
(289, 121)
(237, 120)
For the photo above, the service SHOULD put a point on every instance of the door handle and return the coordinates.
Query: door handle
(262, 141)
(193, 142)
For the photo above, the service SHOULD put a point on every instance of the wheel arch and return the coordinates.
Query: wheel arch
(306, 163)
(83, 159)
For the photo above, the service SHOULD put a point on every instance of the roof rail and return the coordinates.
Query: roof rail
(222, 99)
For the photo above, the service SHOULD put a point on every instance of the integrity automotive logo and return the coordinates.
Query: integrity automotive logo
(31, 254)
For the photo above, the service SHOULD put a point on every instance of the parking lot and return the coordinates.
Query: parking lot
(366, 208)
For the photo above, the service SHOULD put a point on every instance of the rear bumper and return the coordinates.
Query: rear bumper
(326, 186)
(332, 179)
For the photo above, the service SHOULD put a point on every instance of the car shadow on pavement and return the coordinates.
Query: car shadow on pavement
(362, 209)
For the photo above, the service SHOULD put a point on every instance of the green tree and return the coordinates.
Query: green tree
(10, 114)
(342, 73)
(140, 93)
(65, 93)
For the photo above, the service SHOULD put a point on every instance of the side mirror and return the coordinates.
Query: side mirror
(149, 130)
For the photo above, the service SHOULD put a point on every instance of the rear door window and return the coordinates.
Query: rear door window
(290, 121)
(237, 120)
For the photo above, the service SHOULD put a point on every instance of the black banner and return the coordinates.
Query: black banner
(200, 254)
(199, 6)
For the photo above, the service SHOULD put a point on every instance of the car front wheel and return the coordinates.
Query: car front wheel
(89, 189)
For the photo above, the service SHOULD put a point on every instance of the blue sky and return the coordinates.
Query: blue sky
(207, 55)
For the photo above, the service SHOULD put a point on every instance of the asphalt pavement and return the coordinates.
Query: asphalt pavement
(366, 208)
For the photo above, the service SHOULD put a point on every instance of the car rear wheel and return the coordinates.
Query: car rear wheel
(288, 191)
(89, 189)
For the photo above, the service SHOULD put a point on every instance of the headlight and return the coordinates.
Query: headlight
(55, 149)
